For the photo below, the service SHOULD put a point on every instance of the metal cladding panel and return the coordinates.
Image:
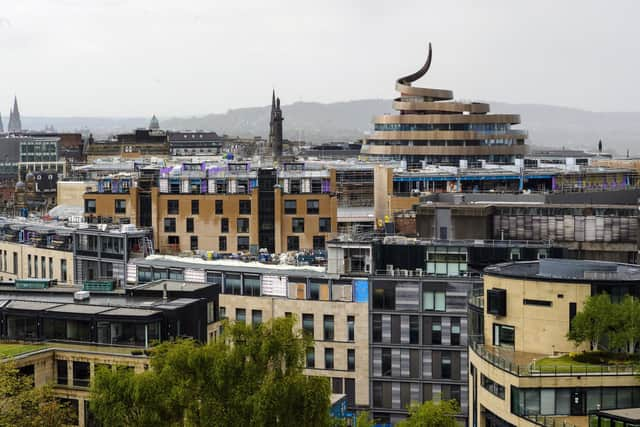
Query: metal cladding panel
(405, 365)
(362, 290)
(132, 273)
(395, 362)
(608, 229)
(446, 331)
(377, 362)
(196, 276)
(463, 331)
(599, 228)
(274, 285)
(164, 185)
(408, 297)
(590, 229)
(427, 363)
(404, 329)
(386, 328)
(395, 395)
(579, 224)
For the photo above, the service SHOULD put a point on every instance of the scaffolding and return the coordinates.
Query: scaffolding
(354, 187)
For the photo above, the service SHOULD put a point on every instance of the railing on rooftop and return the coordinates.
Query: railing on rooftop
(533, 369)
(547, 421)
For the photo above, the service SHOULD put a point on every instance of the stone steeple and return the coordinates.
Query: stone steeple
(275, 127)
(15, 123)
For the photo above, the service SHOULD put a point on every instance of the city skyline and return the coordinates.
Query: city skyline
(122, 59)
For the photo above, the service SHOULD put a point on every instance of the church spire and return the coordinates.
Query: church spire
(15, 123)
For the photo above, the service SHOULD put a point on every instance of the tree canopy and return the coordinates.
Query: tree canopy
(602, 320)
(23, 405)
(251, 376)
(432, 414)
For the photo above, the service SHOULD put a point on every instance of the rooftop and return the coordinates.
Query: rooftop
(171, 261)
(568, 270)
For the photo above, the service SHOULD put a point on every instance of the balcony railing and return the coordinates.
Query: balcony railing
(548, 421)
(531, 369)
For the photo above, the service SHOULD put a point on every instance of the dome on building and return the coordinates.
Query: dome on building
(30, 177)
(154, 124)
(20, 186)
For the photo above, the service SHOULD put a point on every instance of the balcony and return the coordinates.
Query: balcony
(523, 364)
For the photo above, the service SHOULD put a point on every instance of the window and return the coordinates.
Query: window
(328, 358)
(232, 284)
(318, 243)
(376, 328)
(195, 207)
(491, 386)
(189, 225)
(455, 331)
(121, 206)
(436, 332)
(386, 362)
(414, 330)
(222, 243)
(290, 207)
(311, 357)
(173, 207)
(224, 225)
(222, 312)
(328, 327)
(28, 265)
(351, 359)
(50, 267)
(241, 315)
(245, 207)
(293, 243)
(351, 322)
(325, 225)
(434, 300)
(384, 296)
(194, 243)
(297, 225)
(445, 364)
(256, 317)
(90, 206)
(443, 233)
(313, 207)
(176, 274)
(81, 374)
(174, 241)
(503, 335)
(43, 267)
(169, 225)
(541, 303)
(243, 225)
(307, 324)
(63, 270)
(62, 372)
(243, 243)
(219, 207)
(251, 285)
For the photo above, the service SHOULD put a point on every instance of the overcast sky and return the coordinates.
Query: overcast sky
(192, 57)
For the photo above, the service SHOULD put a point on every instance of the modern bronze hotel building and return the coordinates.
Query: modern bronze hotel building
(433, 128)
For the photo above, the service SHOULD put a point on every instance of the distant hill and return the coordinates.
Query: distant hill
(548, 125)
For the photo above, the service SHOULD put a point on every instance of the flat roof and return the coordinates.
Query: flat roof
(30, 305)
(629, 414)
(131, 312)
(568, 270)
(79, 309)
(232, 266)
(173, 286)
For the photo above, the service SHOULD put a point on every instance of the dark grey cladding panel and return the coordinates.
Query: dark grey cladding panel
(408, 297)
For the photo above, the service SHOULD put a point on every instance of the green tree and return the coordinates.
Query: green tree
(625, 331)
(593, 323)
(249, 377)
(23, 405)
(364, 420)
(432, 414)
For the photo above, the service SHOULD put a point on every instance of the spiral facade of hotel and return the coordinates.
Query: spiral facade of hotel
(433, 128)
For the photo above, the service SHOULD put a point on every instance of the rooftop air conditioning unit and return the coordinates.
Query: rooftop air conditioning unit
(419, 272)
(390, 269)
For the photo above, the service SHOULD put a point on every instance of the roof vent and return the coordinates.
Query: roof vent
(81, 296)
